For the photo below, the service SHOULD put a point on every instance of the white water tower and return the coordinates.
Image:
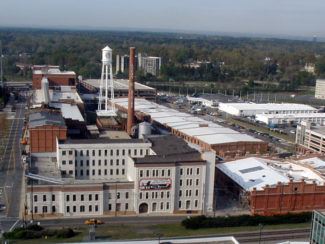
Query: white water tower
(106, 82)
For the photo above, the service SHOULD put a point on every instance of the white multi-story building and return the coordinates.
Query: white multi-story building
(252, 109)
(281, 119)
(122, 177)
(320, 89)
(150, 65)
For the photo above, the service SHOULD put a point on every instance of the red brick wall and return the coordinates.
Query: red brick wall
(284, 198)
(43, 138)
(54, 80)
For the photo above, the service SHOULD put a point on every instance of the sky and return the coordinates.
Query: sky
(266, 17)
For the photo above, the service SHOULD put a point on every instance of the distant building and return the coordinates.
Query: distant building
(317, 235)
(150, 65)
(55, 77)
(310, 68)
(310, 138)
(274, 120)
(268, 186)
(122, 63)
(252, 109)
(320, 89)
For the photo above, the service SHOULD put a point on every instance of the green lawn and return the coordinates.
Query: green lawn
(143, 231)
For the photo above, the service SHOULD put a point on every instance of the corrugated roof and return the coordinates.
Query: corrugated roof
(45, 118)
(208, 132)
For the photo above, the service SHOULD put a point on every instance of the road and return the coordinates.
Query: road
(11, 171)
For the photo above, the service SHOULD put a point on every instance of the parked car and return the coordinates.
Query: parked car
(93, 222)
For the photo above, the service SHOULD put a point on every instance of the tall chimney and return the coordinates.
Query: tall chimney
(131, 91)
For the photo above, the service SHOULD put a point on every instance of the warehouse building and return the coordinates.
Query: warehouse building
(320, 89)
(121, 87)
(208, 135)
(252, 109)
(274, 120)
(310, 138)
(156, 175)
(271, 187)
(56, 77)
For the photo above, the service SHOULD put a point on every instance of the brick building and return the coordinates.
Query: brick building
(44, 128)
(54, 76)
(269, 187)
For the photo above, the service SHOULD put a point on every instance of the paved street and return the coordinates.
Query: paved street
(11, 170)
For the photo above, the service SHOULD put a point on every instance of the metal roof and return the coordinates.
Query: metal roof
(206, 131)
(45, 118)
(119, 84)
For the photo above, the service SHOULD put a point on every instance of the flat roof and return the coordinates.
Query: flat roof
(119, 84)
(207, 131)
(65, 93)
(318, 129)
(45, 118)
(69, 111)
(52, 71)
(269, 106)
(101, 141)
(256, 173)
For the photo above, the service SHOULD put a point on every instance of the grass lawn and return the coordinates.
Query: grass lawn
(143, 231)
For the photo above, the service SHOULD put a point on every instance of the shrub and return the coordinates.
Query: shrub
(244, 220)
(65, 233)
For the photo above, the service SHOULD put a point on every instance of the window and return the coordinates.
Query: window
(105, 152)
(126, 206)
(35, 209)
(111, 162)
(105, 162)
(152, 195)
(81, 172)
(68, 198)
(123, 171)
(70, 152)
(74, 209)
(147, 173)
(129, 152)
(188, 171)
(147, 195)
(196, 203)
(44, 198)
(141, 173)
(81, 163)
(118, 195)
(99, 162)
(87, 162)
(188, 204)
(196, 192)
(70, 172)
(90, 197)
(64, 162)
(99, 172)
(141, 152)
(180, 182)
(162, 194)
(87, 152)
(181, 172)
(191, 171)
(140, 195)
(153, 173)
(117, 172)
(82, 208)
(109, 207)
(109, 196)
(180, 193)
(53, 209)
(161, 205)
(117, 162)
(123, 161)
(168, 172)
(198, 171)
(64, 153)
(93, 172)
(87, 172)
(93, 162)
(111, 171)
(126, 195)
(154, 207)
(53, 197)
(74, 198)
(99, 153)
(70, 162)
(96, 208)
(35, 198)
(179, 204)
(93, 152)
(117, 152)
(168, 194)
(105, 171)
(68, 209)
(90, 208)
(96, 197)
(135, 152)
(163, 172)
(111, 152)
(82, 197)
(167, 205)
(123, 152)
(81, 153)
(197, 182)
(44, 209)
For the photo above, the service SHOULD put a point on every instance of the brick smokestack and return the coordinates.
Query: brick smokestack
(130, 121)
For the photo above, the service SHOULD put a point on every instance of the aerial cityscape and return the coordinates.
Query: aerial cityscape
(127, 132)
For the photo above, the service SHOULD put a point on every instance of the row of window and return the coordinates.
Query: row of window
(188, 204)
(189, 171)
(154, 195)
(44, 198)
(106, 152)
(44, 209)
(100, 172)
(118, 207)
(118, 195)
(82, 209)
(82, 197)
(189, 182)
(154, 206)
(155, 173)
(188, 193)
(99, 162)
